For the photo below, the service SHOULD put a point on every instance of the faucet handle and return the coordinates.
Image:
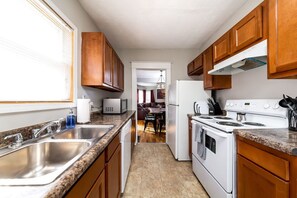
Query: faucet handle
(59, 124)
(18, 140)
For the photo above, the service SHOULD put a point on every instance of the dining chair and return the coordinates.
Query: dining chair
(149, 118)
(161, 120)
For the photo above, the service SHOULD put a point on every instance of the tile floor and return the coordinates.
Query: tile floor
(154, 173)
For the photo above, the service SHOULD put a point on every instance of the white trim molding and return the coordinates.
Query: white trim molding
(149, 66)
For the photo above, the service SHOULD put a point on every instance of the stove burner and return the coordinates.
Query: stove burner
(205, 117)
(253, 123)
(223, 118)
(230, 124)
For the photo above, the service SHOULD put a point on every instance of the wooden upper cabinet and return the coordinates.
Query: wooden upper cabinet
(248, 30)
(99, 62)
(196, 66)
(211, 81)
(107, 64)
(121, 75)
(115, 68)
(282, 40)
(221, 48)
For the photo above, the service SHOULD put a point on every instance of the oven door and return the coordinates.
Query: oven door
(219, 155)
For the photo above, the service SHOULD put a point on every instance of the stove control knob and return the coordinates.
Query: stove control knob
(276, 106)
(266, 106)
(227, 104)
(231, 104)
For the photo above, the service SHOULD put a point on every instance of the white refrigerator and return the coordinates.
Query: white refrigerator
(182, 95)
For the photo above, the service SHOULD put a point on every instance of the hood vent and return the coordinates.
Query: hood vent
(250, 58)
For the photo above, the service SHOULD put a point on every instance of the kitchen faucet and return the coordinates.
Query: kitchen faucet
(48, 127)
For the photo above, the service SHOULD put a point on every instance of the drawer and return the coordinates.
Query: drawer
(112, 147)
(272, 163)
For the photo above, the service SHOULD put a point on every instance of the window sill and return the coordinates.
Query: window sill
(18, 108)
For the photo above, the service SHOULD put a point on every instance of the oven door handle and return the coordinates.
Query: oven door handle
(219, 134)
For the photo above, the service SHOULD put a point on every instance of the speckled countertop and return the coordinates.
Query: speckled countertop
(63, 183)
(282, 140)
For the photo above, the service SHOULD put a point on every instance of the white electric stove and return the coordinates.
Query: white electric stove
(213, 143)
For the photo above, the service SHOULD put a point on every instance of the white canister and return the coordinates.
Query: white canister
(83, 110)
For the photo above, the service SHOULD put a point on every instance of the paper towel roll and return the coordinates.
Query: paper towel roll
(83, 110)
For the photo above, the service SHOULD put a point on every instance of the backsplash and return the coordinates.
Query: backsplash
(27, 131)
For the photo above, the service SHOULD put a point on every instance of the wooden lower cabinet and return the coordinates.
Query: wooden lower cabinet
(92, 182)
(190, 136)
(256, 182)
(133, 133)
(264, 172)
(113, 175)
(103, 177)
(98, 190)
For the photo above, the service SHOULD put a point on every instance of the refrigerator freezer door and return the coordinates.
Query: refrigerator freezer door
(171, 136)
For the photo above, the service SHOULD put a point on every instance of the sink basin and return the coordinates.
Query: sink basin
(87, 132)
(40, 163)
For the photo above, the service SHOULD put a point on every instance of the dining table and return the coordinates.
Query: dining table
(159, 115)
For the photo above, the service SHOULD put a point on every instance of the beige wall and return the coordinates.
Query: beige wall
(73, 10)
(179, 59)
(251, 84)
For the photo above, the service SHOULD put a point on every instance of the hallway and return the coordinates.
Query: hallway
(155, 173)
(149, 136)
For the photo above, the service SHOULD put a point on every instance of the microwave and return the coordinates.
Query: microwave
(114, 105)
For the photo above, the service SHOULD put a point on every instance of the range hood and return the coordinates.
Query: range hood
(250, 58)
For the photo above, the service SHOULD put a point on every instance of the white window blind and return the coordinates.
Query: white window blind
(140, 96)
(36, 48)
(148, 96)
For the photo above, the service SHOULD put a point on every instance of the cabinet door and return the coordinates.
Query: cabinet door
(133, 133)
(210, 81)
(98, 189)
(208, 65)
(221, 48)
(107, 64)
(282, 40)
(190, 137)
(190, 68)
(198, 62)
(248, 30)
(113, 174)
(115, 70)
(121, 75)
(254, 181)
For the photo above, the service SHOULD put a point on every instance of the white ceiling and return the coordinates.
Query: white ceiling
(149, 76)
(159, 24)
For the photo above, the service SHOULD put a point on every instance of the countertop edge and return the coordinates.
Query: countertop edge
(278, 139)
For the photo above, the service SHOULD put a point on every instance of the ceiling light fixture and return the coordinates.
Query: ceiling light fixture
(161, 82)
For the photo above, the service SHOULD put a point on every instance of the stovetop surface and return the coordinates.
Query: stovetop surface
(259, 114)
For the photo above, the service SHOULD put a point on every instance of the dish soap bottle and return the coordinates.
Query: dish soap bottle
(70, 120)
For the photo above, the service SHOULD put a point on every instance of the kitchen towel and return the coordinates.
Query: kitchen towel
(83, 110)
(200, 139)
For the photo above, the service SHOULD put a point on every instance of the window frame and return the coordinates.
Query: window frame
(14, 107)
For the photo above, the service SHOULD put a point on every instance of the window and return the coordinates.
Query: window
(148, 96)
(140, 96)
(36, 47)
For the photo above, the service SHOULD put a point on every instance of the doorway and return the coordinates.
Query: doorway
(147, 78)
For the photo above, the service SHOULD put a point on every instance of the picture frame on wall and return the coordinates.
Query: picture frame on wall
(160, 94)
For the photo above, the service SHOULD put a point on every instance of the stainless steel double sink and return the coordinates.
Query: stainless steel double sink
(43, 161)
